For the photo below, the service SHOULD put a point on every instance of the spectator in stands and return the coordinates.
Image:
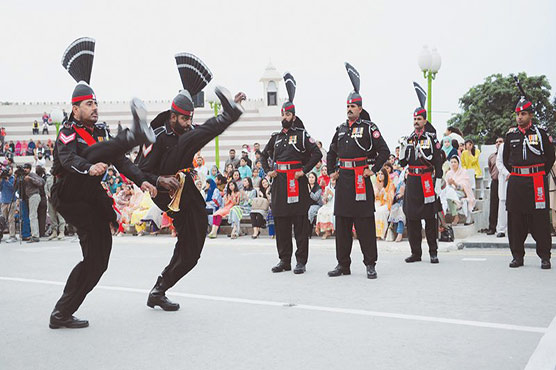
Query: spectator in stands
(30, 147)
(231, 199)
(255, 177)
(448, 148)
(247, 194)
(236, 177)
(45, 117)
(259, 167)
(35, 128)
(9, 202)
(39, 170)
(244, 169)
(317, 169)
(470, 158)
(315, 193)
(257, 156)
(245, 156)
(232, 159)
(57, 222)
(24, 148)
(457, 196)
(39, 161)
(397, 217)
(201, 169)
(45, 128)
(17, 149)
(494, 200)
(325, 215)
(213, 173)
(213, 197)
(264, 188)
(384, 196)
(229, 171)
(2, 136)
(323, 179)
(256, 148)
(48, 150)
(259, 211)
(12, 146)
(33, 183)
(322, 150)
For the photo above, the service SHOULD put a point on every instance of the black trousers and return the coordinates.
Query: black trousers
(283, 226)
(366, 233)
(493, 216)
(415, 236)
(95, 239)
(191, 226)
(257, 220)
(92, 220)
(41, 212)
(536, 223)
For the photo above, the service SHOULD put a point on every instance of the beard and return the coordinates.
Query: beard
(287, 124)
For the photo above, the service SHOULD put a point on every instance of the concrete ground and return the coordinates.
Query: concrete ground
(468, 312)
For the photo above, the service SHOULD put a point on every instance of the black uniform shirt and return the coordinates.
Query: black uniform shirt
(534, 146)
(294, 144)
(422, 150)
(69, 160)
(361, 139)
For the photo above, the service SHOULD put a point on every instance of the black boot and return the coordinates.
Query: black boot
(157, 297)
(282, 266)
(413, 258)
(516, 263)
(58, 320)
(545, 265)
(299, 268)
(339, 270)
(141, 132)
(232, 111)
(434, 258)
(371, 271)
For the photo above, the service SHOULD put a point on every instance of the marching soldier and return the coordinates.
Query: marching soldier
(354, 145)
(528, 155)
(168, 164)
(294, 154)
(423, 155)
(81, 154)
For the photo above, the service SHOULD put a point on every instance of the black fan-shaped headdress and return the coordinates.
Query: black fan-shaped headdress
(194, 75)
(354, 97)
(288, 106)
(524, 103)
(422, 96)
(78, 61)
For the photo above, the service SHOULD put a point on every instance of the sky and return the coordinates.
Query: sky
(136, 42)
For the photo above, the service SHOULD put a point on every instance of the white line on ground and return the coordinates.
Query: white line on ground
(544, 356)
(360, 312)
(473, 259)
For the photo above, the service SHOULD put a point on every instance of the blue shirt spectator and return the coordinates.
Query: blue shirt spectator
(7, 190)
(244, 169)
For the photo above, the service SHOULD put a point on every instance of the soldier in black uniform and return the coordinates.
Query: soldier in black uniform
(355, 143)
(168, 164)
(294, 154)
(422, 152)
(81, 154)
(528, 155)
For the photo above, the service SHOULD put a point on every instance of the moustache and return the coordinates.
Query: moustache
(350, 112)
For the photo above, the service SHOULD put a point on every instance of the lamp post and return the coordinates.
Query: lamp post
(216, 106)
(429, 61)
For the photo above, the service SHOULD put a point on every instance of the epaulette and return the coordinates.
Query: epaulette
(512, 130)
(101, 125)
(275, 133)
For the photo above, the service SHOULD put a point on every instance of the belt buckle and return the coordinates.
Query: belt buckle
(349, 164)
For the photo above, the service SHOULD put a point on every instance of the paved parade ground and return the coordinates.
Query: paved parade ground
(468, 312)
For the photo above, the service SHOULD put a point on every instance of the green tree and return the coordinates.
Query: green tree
(488, 109)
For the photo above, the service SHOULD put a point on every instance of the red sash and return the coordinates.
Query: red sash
(538, 185)
(292, 183)
(426, 183)
(360, 186)
(85, 135)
